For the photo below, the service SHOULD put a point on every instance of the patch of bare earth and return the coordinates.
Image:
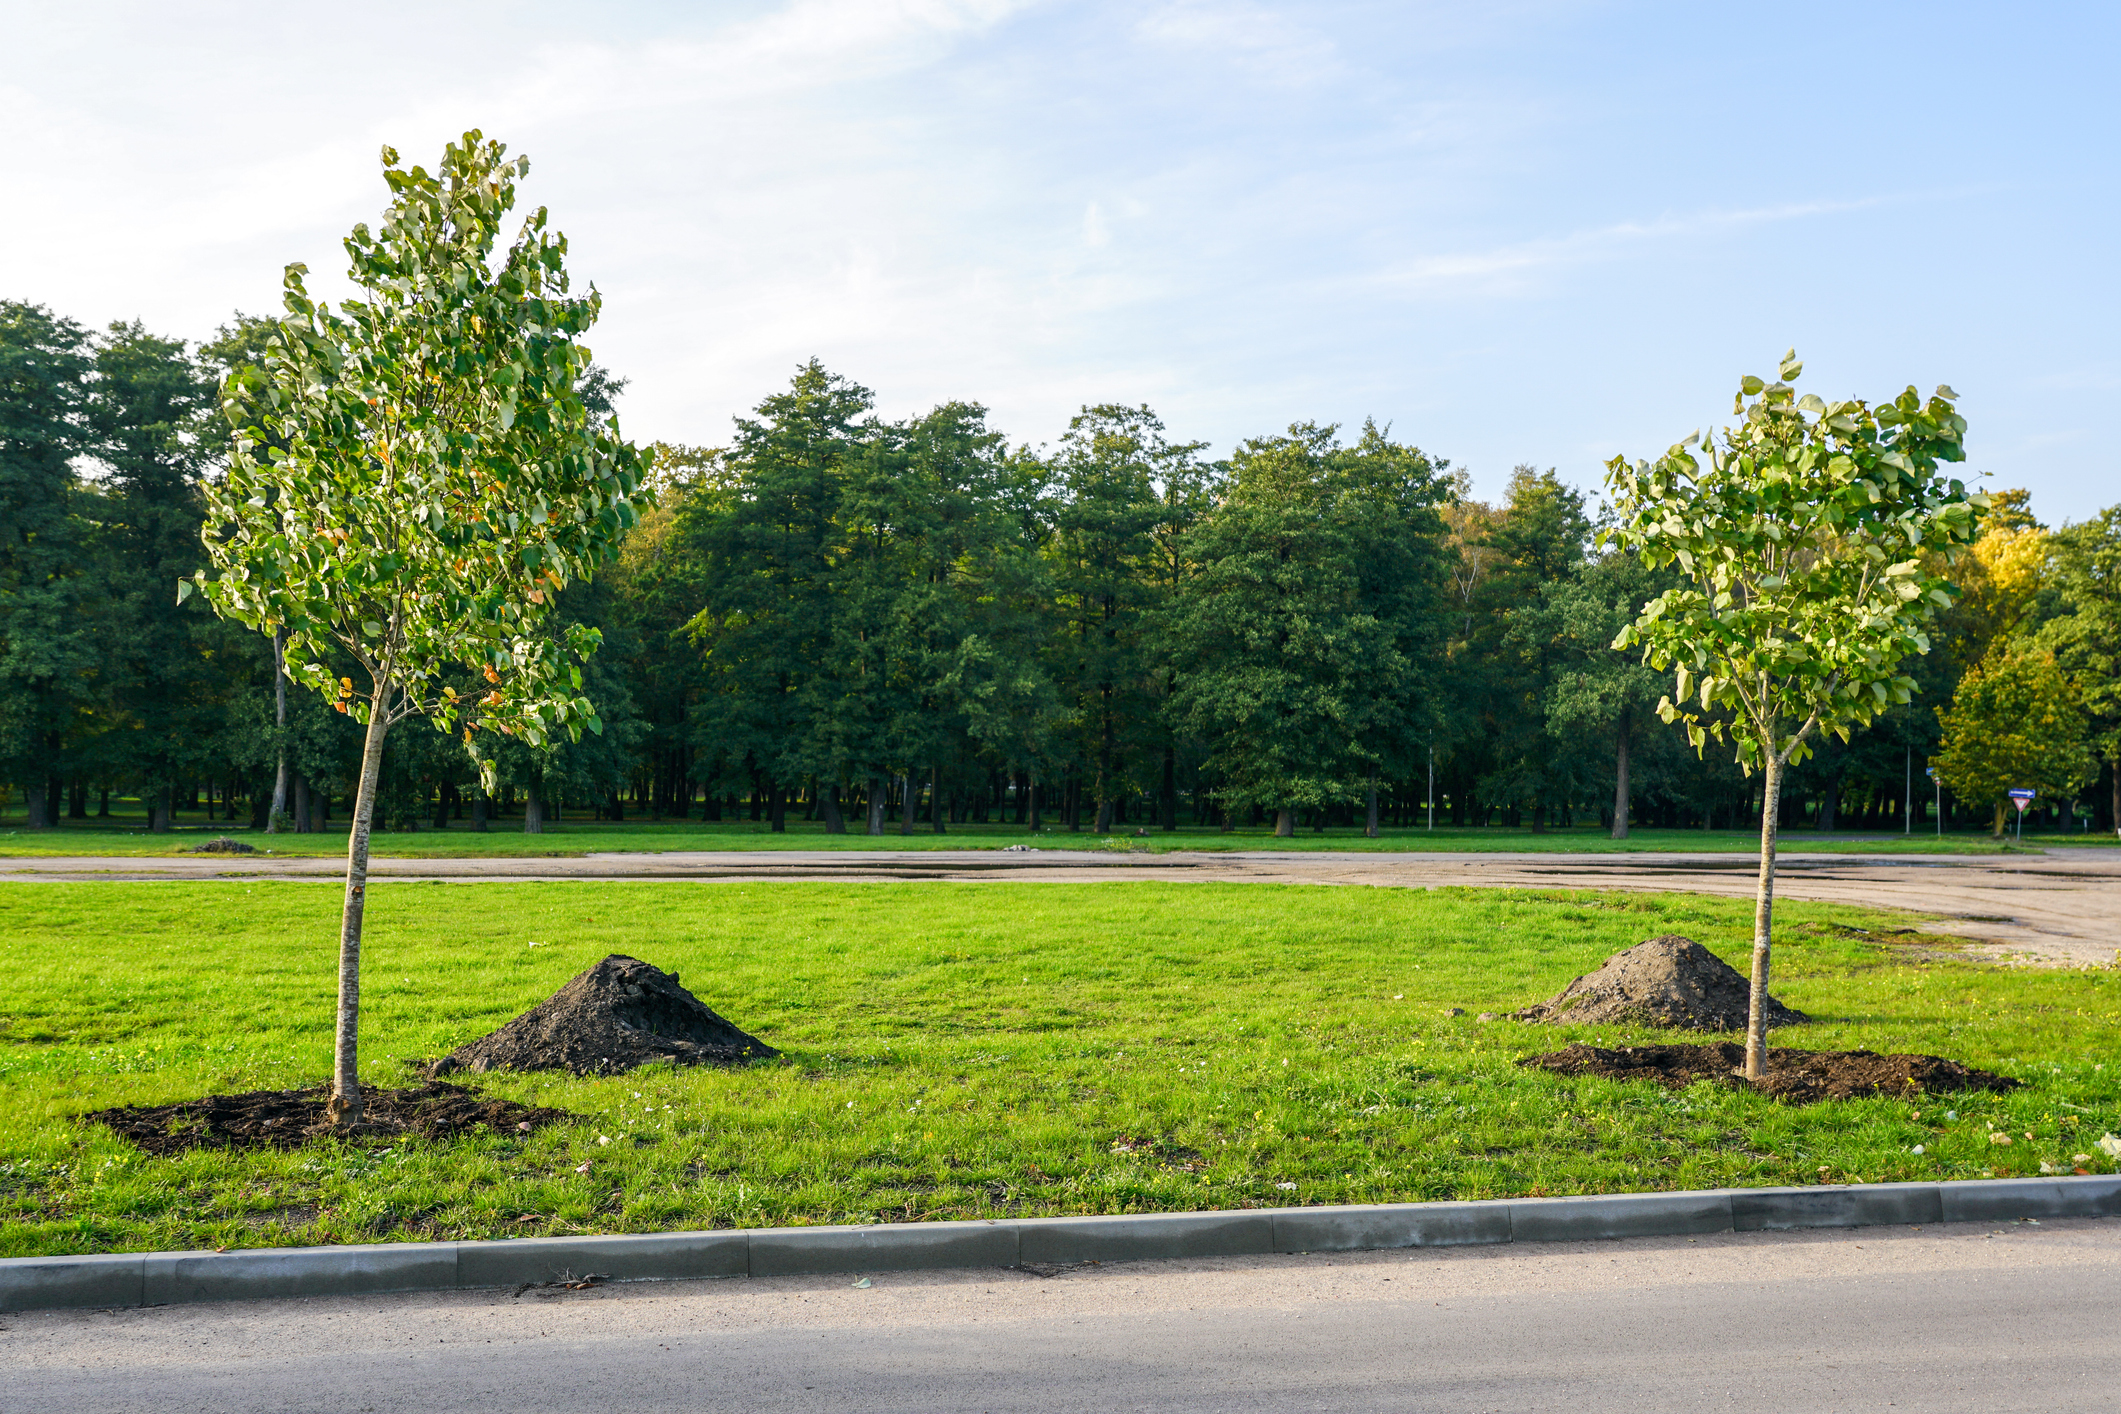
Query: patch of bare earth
(285, 1119)
(1793, 1076)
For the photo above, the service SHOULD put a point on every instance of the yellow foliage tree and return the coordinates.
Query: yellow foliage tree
(2016, 722)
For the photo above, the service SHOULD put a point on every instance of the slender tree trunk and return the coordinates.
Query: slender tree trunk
(279, 717)
(905, 804)
(829, 804)
(1284, 823)
(935, 798)
(1620, 781)
(1168, 805)
(1763, 920)
(533, 810)
(777, 809)
(345, 1105)
(876, 805)
(1031, 777)
(1369, 822)
(479, 807)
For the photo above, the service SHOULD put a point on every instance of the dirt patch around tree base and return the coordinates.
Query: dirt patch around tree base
(287, 1119)
(619, 1014)
(1795, 1077)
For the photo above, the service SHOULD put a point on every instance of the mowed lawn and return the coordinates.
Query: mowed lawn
(958, 1050)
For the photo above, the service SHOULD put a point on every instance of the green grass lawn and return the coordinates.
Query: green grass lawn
(124, 836)
(959, 1050)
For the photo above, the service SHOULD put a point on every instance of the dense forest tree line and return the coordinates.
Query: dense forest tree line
(901, 625)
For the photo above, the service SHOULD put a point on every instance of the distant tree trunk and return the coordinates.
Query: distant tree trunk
(159, 811)
(935, 797)
(1167, 801)
(1031, 786)
(103, 803)
(1830, 806)
(445, 796)
(533, 810)
(1369, 821)
(480, 809)
(1763, 919)
(905, 804)
(39, 815)
(1284, 823)
(303, 823)
(829, 804)
(618, 803)
(54, 797)
(1620, 780)
(876, 805)
(279, 718)
(777, 809)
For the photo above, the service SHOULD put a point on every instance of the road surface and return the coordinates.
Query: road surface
(1990, 1318)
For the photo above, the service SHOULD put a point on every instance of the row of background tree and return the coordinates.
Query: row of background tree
(911, 624)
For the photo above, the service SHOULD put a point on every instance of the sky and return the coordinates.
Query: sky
(1518, 233)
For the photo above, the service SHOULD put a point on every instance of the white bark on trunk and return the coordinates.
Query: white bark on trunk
(1763, 920)
(345, 1106)
(279, 688)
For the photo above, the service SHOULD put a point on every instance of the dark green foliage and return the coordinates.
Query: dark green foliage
(870, 623)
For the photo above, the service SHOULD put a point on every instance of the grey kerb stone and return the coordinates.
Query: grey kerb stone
(155, 1278)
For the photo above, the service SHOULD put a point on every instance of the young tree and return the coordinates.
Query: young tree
(2016, 721)
(1804, 537)
(431, 481)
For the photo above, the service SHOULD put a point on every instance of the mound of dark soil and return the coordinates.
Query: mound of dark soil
(283, 1119)
(220, 844)
(1667, 981)
(1799, 1077)
(617, 1015)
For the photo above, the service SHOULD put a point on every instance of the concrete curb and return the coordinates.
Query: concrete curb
(168, 1278)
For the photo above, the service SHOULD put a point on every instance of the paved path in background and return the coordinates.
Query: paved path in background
(2059, 908)
(1964, 1317)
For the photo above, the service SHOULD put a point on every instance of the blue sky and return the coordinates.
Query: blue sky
(1539, 232)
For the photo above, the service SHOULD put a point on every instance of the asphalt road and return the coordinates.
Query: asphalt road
(1990, 1318)
(2060, 908)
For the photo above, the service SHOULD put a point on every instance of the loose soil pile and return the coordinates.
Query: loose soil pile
(284, 1119)
(1667, 981)
(221, 844)
(1797, 1077)
(619, 1014)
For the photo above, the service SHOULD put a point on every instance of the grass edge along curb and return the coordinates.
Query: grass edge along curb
(172, 1278)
